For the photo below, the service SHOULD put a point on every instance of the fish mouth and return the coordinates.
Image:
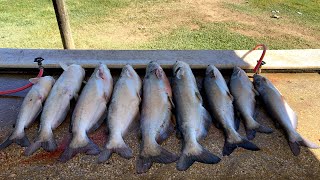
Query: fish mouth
(152, 67)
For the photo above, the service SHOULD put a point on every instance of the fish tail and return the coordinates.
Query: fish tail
(6, 143)
(295, 144)
(230, 147)
(205, 156)
(49, 144)
(123, 151)
(162, 156)
(251, 132)
(90, 149)
(23, 141)
(32, 148)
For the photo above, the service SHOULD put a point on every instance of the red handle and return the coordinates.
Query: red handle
(21, 88)
(262, 56)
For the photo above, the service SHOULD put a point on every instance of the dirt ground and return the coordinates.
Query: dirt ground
(144, 22)
(274, 160)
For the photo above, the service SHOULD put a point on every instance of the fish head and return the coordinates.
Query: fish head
(76, 69)
(238, 72)
(180, 69)
(49, 79)
(103, 72)
(259, 81)
(154, 68)
(128, 71)
(212, 71)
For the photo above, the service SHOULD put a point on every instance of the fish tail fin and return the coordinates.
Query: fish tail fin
(48, 144)
(32, 148)
(204, 156)
(295, 144)
(21, 140)
(230, 147)
(6, 143)
(251, 132)
(122, 150)
(90, 149)
(159, 155)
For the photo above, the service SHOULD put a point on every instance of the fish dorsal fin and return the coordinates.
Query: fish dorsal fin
(34, 80)
(198, 95)
(159, 73)
(63, 65)
(179, 73)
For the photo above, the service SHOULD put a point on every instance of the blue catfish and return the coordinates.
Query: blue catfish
(123, 110)
(156, 124)
(244, 94)
(89, 113)
(192, 118)
(221, 108)
(30, 109)
(57, 106)
(281, 113)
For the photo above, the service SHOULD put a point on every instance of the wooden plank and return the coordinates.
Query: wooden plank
(198, 59)
(63, 23)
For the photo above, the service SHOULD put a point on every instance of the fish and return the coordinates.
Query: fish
(122, 114)
(155, 122)
(30, 110)
(220, 103)
(57, 106)
(244, 94)
(89, 113)
(280, 111)
(193, 120)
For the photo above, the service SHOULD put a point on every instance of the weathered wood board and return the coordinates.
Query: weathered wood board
(198, 59)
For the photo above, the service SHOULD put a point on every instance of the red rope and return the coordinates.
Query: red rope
(21, 88)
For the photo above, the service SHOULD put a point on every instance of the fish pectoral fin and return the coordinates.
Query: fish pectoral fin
(292, 115)
(198, 96)
(171, 101)
(207, 120)
(165, 134)
(255, 92)
(138, 95)
(76, 96)
(230, 96)
(63, 65)
(34, 80)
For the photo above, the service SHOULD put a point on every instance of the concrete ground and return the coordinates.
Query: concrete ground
(274, 160)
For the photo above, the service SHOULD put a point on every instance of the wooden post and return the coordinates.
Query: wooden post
(63, 23)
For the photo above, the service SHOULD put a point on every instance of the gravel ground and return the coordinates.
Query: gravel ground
(274, 160)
